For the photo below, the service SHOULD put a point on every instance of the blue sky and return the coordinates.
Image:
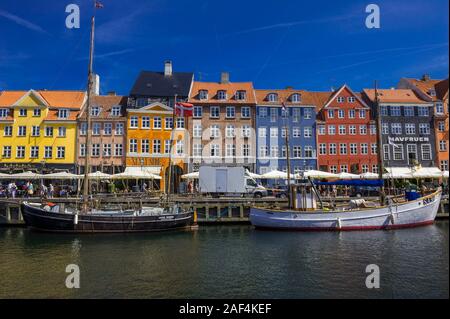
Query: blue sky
(312, 45)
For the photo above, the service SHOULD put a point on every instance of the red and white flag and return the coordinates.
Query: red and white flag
(184, 109)
(98, 5)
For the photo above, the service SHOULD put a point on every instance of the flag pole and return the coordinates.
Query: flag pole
(169, 177)
(379, 145)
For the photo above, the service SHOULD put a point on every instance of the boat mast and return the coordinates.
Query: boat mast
(379, 145)
(88, 121)
(288, 159)
(169, 178)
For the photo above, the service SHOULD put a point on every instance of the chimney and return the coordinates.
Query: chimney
(426, 77)
(111, 93)
(289, 87)
(167, 68)
(225, 78)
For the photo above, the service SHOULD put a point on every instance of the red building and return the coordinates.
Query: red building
(346, 134)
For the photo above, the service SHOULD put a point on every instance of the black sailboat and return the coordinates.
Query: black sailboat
(56, 218)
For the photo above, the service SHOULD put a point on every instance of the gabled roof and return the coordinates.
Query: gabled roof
(442, 89)
(230, 88)
(160, 107)
(156, 84)
(53, 99)
(425, 86)
(106, 103)
(337, 92)
(307, 98)
(394, 96)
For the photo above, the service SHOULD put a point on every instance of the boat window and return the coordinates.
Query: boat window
(251, 182)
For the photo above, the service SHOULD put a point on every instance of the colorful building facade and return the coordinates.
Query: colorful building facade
(346, 134)
(38, 130)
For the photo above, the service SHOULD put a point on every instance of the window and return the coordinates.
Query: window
(23, 112)
(133, 145)
(332, 149)
(95, 111)
(263, 151)
(36, 112)
(272, 97)
(351, 114)
(156, 146)
(395, 111)
(96, 127)
(352, 129)
(273, 115)
(373, 129)
(20, 151)
(375, 168)
(342, 130)
(95, 151)
(423, 111)
(322, 149)
(351, 99)
(145, 122)
(262, 112)
(439, 108)
(364, 168)
(221, 95)
(168, 123)
(3, 113)
(385, 128)
(396, 128)
(341, 114)
(107, 150)
(214, 111)
(115, 110)
(398, 152)
(309, 152)
(107, 129)
(411, 150)
(215, 131)
(145, 146)
(321, 129)
(245, 112)
(119, 129)
(246, 130)
(230, 150)
(22, 131)
(180, 122)
(197, 150)
(134, 122)
(35, 131)
(82, 150)
(215, 150)
(197, 131)
(343, 149)
(283, 151)
(262, 132)
(384, 110)
(118, 149)
(331, 114)
(426, 152)
(363, 129)
(83, 129)
(274, 151)
(295, 115)
(441, 126)
(203, 94)
(442, 146)
(297, 151)
(274, 132)
(307, 113)
(333, 169)
(63, 113)
(331, 130)
(296, 98)
(444, 165)
(374, 148)
(8, 131)
(157, 123)
(296, 132)
(198, 111)
(229, 131)
(344, 169)
(424, 128)
(341, 99)
(410, 128)
(362, 114)
(241, 95)
(284, 113)
(230, 112)
(6, 152)
(386, 152)
(61, 152)
(167, 146)
(353, 149)
(408, 110)
(307, 132)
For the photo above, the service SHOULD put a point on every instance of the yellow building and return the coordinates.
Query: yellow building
(148, 142)
(38, 129)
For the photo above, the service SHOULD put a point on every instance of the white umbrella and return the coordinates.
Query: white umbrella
(445, 174)
(99, 175)
(427, 172)
(319, 174)
(398, 173)
(193, 175)
(26, 175)
(135, 175)
(276, 175)
(344, 175)
(4, 176)
(369, 175)
(252, 175)
(62, 175)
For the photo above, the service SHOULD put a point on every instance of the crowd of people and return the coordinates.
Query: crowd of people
(30, 189)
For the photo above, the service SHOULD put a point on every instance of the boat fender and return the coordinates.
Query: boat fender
(392, 218)
(339, 223)
(195, 216)
(75, 219)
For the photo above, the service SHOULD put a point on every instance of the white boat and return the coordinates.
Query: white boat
(415, 213)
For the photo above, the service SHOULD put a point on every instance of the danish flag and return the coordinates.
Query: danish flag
(184, 109)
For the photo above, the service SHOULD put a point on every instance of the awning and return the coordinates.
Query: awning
(143, 169)
(276, 175)
(252, 175)
(4, 176)
(427, 172)
(445, 174)
(398, 173)
(25, 175)
(62, 175)
(136, 174)
(318, 174)
(193, 175)
(99, 175)
(348, 176)
(369, 175)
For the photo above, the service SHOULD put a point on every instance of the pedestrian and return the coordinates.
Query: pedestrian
(51, 190)
(190, 187)
(13, 190)
(30, 189)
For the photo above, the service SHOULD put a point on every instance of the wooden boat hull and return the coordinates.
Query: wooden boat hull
(410, 214)
(42, 220)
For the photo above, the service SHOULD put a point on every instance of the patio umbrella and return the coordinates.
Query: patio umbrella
(348, 176)
(26, 175)
(252, 175)
(369, 175)
(4, 176)
(62, 175)
(445, 174)
(99, 175)
(319, 174)
(427, 172)
(193, 175)
(276, 175)
(135, 175)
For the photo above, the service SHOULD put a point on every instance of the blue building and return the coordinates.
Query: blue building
(270, 125)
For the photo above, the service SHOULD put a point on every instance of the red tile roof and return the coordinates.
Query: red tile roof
(230, 88)
(394, 96)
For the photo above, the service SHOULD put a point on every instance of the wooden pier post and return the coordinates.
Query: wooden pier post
(230, 211)
(207, 212)
(241, 211)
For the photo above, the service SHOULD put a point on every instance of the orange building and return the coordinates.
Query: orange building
(149, 129)
(435, 91)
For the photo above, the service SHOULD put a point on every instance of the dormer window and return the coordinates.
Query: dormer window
(63, 114)
(241, 95)
(95, 111)
(115, 110)
(432, 92)
(296, 98)
(3, 113)
(340, 99)
(222, 95)
(203, 94)
(272, 97)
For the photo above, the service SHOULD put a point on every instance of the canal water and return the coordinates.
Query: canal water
(227, 262)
